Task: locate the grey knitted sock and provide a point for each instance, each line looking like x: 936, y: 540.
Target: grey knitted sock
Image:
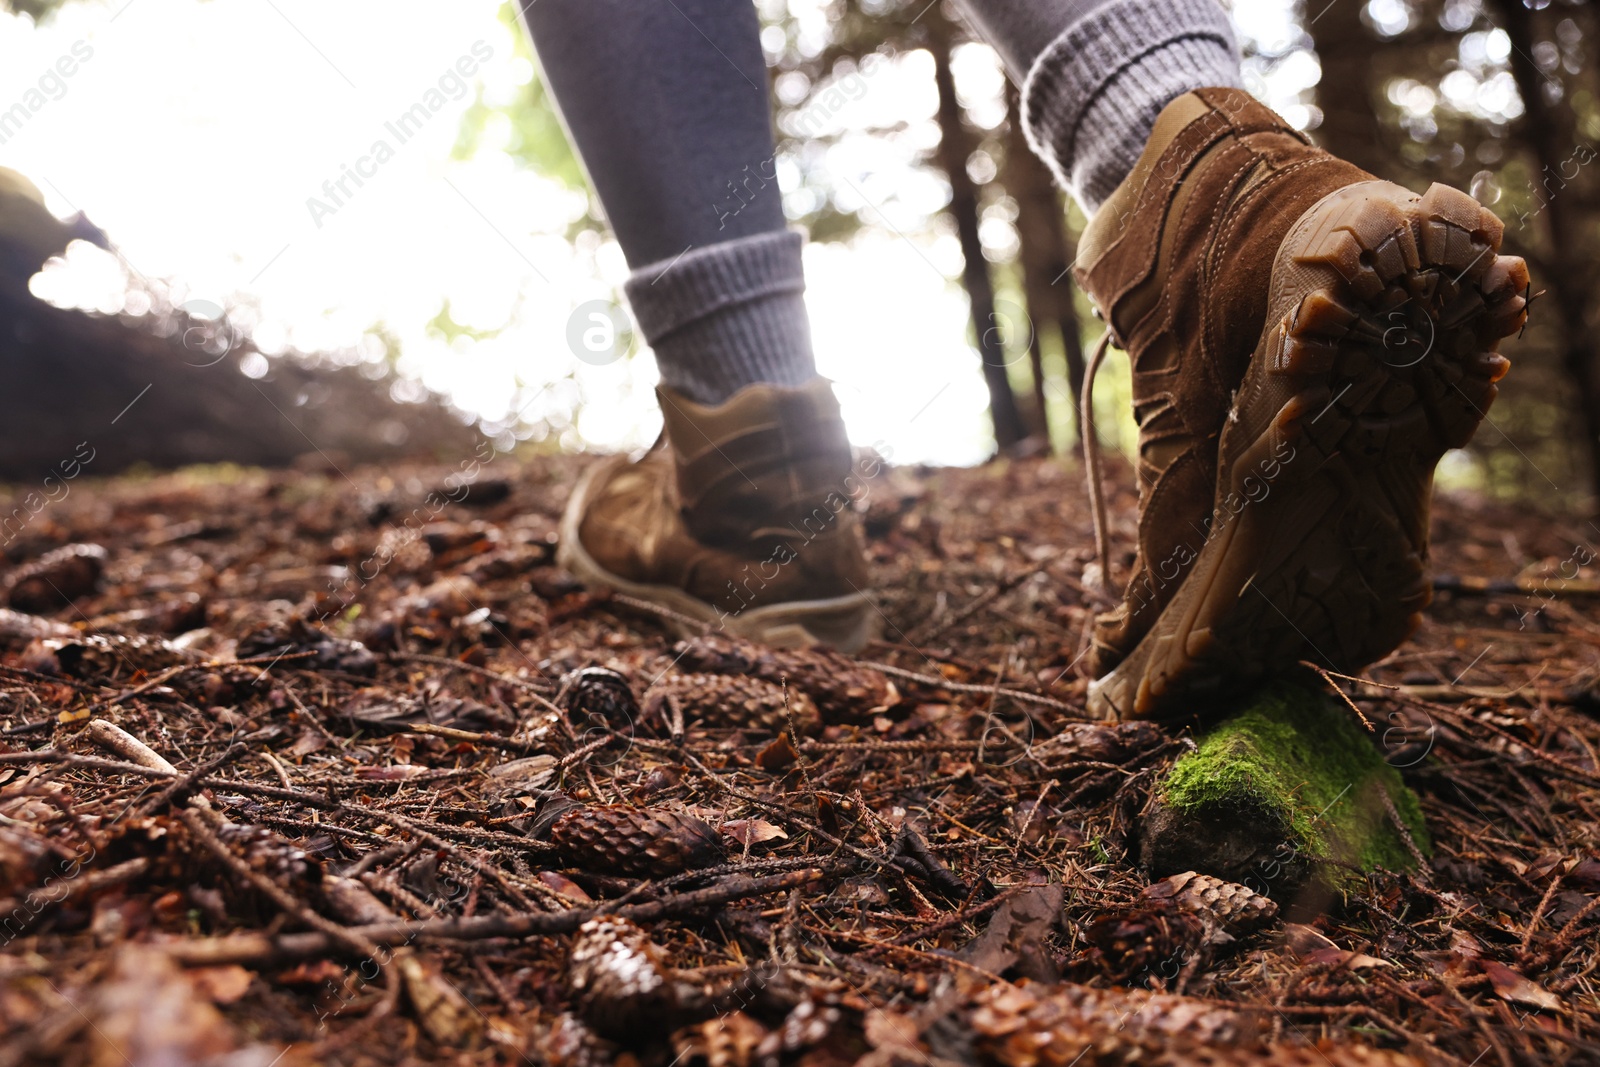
x: 726, y: 316
x: 1020, y: 29
x: 1093, y: 95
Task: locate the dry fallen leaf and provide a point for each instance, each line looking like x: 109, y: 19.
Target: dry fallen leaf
x: 778, y: 755
x: 397, y: 772
x: 447, y: 1015
x: 1509, y: 985
x: 311, y: 973
x: 1303, y: 939
x: 221, y: 985
x: 1313, y: 947
x: 519, y: 775
x: 565, y: 886
x: 308, y: 742
x: 895, y: 1038
x: 150, y: 1011
x: 749, y: 832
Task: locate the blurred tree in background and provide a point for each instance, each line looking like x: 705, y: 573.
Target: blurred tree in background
x: 998, y: 200
x: 35, y: 9
x: 1494, y: 96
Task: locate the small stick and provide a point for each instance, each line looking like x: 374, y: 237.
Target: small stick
x: 277, y: 768
x: 188, y: 783
x: 473, y: 668
x: 1328, y: 677
x: 93, y: 881
x: 276, y: 893
x: 1022, y: 834
x: 987, y: 690
x: 1538, y: 913
x: 259, y: 948
x: 110, y: 736
x: 937, y: 873
x: 472, y: 737
x: 232, y: 785
x: 1571, y: 928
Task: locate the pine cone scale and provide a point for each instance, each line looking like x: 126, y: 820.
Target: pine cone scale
x: 837, y: 684
x: 636, y: 842
x: 733, y: 700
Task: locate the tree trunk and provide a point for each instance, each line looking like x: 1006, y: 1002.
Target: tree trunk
x: 1046, y: 256
x: 955, y: 146
x: 1548, y: 132
x: 1350, y: 128
x: 110, y: 393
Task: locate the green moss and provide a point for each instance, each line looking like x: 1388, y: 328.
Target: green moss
x: 1300, y: 766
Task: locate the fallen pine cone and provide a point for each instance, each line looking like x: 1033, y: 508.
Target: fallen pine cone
x: 1098, y: 742
x: 25, y: 858
x: 599, y: 694
x: 1226, y: 906
x: 177, y: 857
x: 733, y: 700
x: 444, y: 1012
x: 272, y: 855
x: 57, y: 578
x: 112, y: 656
x: 619, y: 978
x: 837, y: 684
x: 1153, y: 942
x: 1024, y: 1025
x: 1174, y: 921
x: 729, y: 1040
x: 809, y: 1023
x: 1031, y: 1026
x: 294, y: 636
x: 571, y: 1043
x: 1092, y: 760
x: 648, y: 842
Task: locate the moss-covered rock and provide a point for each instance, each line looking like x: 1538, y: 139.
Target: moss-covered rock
x: 1287, y: 792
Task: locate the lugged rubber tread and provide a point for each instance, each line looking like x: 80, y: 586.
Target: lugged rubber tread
x: 1385, y: 314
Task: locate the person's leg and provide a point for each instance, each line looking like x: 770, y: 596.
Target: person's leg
x: 742, y: 520
x: 667, y: 106
x: 1306, y: 342
x: 1096, y: 73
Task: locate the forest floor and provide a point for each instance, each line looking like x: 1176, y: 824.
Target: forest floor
x: 289, y: 782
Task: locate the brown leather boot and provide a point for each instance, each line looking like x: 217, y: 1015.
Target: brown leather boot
x: 740, y: 517
x: 1306, y: 342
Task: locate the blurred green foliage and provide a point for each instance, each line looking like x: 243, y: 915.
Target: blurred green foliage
x: 537, y: 139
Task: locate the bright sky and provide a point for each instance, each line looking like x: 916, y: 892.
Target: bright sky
x: 196, y: 132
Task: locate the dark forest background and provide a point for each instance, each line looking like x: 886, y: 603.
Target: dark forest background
x: 1494, y: 96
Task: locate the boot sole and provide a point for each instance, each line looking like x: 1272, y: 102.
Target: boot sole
x: 1378, y: 356
x: 845, y: 623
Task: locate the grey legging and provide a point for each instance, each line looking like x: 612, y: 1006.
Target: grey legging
x: 666, y: 101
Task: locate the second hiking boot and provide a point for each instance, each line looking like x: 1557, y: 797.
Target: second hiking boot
x: 742, y: 518
x: 1306, y: 343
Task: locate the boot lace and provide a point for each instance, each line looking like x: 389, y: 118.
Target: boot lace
x: 1093, y: 461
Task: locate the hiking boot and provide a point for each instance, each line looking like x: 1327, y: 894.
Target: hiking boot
x: 1306, y: 342
x: 740, y: 517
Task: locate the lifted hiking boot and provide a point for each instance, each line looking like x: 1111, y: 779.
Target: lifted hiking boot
x: 740, y: 518
x: 1307, y: 341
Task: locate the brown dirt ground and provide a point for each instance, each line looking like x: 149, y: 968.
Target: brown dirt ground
x: 320, y: 763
